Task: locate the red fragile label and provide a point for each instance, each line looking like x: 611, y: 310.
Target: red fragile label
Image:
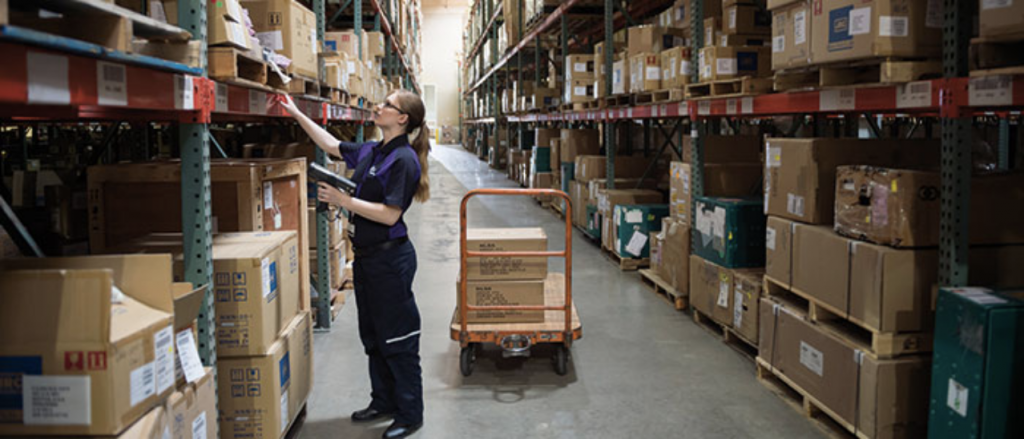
x: 96, y: 360
x: 74, y: 360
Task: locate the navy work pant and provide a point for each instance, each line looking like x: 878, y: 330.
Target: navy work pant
x: 389, y: 326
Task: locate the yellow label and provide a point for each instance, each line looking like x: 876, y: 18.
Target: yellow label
x: 730, y: 236
x: 867, y: 219
x: 894, y: 186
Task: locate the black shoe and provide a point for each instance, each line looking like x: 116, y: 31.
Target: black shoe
x: 369, y: 414
x: 398, y: 430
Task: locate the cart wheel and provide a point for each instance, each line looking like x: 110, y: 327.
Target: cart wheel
x: 466, y: 360
x: 561, y: 360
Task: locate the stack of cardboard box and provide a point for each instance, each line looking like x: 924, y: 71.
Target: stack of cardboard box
x: 358, y: 59
x: 263, y: 329
x: 820, y: 261
x: 736, y: 42
x: 225, y: 24
x: 579, y: 78
x: 129, y: 368
x: 504, y: 281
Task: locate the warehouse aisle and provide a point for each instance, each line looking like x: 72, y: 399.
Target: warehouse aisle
x: 642, y: 369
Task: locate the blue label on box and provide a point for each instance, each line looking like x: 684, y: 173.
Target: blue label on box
x: 331, y: 46
x: 286, y: 369
x: 839, y: 37
x: 746, y: 62
x: 12, y: 369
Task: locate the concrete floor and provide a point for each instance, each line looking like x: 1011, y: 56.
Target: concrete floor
x: 641, y: 369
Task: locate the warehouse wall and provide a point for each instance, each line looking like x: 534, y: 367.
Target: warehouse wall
x: 442, y: 48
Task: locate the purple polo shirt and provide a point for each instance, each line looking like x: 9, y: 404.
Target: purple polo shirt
x: 386, y: 174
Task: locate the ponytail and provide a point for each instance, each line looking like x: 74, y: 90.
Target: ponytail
x: 421, y: 144
x: 412, y: 105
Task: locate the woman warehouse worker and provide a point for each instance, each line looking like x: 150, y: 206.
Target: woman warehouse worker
x: 389, y: 175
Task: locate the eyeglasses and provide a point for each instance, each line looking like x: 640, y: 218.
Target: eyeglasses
x: 387, y: 104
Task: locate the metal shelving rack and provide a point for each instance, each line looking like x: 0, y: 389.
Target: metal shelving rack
x: 954, y: 100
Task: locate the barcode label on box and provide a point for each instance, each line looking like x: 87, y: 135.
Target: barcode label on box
x: 188, y: 356
x: 800, y: 28
x: 737, y: 308
x: 142, y: 383
x: 990, y: 90
x: 653, y: 73
x: 860, y: 21
x: 199, y: 426
x: 56, y: 400
x: 795, y: 205
x: 636, y: 244
x: 769, y: 238
x: 995, y: 4
x: 111, y: 84
x: 889, y: 26
x: 284, y: 410
x: 779, y: 44
x: 812, y: 358
x: 725, y: 66
x: 163, y: 347
x: 723, y: 292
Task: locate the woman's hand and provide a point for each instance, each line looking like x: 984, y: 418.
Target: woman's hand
x: 289, y: 105
x: 331, y: 195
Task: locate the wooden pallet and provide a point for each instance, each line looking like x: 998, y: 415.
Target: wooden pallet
x: 303, y: 86
x: 617, y: 101
x: 643, y: 97
x: 627, y: 264
x: 234, y: 66
x: 592, y: 105
x: 876, y: 71
x: 102, y: 23
x: 679, y: 300
x: 880, y: 344
x: 730, y: 337
x: 575, y: 106
x: 670, y: 95
x: 729, y: 88
x: 996, y: 57
x: 801, y: 401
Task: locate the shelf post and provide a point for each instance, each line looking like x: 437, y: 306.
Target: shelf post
x: 195, y: 195
x: 323, y: 281
x: 956, y: 150
x: 609, y: 54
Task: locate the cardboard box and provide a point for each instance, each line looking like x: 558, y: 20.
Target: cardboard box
x: 711, y: 289
x: 346, y: 42
x: 712, y: 29
x: 506, y: 239
x: 230, y: 9
x: 374, y: 44
x: 274, y: 385
x: 675, y: 254
x: 791, y: 44
x: 739, y: 40
x: 901, y: 207
x: 681, y: 17
x: 594, y: 167
x: 779, y: 233
x: 720, y: 180
x: 337, y: 224
x: 1000, y: 19
x: 555, y: 155
x: 288, y: 28
x: 579, y: 67
x: 100, y: 370
x: 734, y: 62
x: 223, y: 31
x: 634, y: 223
x: 747, y: 19
x: 607, y: 199
x: 255, y: 285
x: 620, y: 78
x: 800, y: 174
x: 746, y: 303
x: 193, y: 409
x: 648, y: 39
x: 880, y: 398
x: 337, y: 259
x: 676, y: 69
x: 579, y: 142
x: 579, y: 90
x: 726, y: 149
x: 855, y: 29
x: 645, y: 72
x: 505, y: 293
x: 730, y: 231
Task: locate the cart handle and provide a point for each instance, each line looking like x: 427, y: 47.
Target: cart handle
x: 464, y: 307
